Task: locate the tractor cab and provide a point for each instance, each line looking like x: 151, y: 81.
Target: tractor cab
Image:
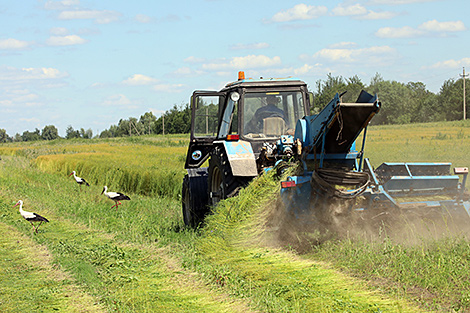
x: 257, y: 111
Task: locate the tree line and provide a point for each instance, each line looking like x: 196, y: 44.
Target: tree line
x: 402, y: 104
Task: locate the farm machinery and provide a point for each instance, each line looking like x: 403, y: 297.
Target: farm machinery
x: 255, y: 125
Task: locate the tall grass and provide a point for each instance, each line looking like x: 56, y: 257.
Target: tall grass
x: 146, y: 166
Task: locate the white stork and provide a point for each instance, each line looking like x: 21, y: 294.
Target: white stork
x: 115, y: 196
x: 31, y: 217
x: 80, y: 181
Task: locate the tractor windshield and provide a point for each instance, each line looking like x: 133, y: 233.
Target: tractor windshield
x: 271, y: 114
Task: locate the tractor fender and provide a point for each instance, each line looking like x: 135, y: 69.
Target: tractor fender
x: 241, y: 157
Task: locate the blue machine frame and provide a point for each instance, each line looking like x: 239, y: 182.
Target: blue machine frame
x: 319, y: 137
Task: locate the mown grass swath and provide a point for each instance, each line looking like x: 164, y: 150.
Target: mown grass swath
x: 238, y: 249
x: 104, y: 253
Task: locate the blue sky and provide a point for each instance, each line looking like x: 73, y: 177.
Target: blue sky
x: 89, y: 64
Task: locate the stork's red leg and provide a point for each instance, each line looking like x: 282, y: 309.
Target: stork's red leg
x: 33, y: 227
x: 38, y: 226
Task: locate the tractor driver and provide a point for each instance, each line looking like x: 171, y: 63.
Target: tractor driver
x: 268, y: 110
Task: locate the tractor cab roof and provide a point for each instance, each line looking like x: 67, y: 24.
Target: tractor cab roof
x: 263, y: 82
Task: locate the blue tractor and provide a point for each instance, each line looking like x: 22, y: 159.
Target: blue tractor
x: 254, y: 125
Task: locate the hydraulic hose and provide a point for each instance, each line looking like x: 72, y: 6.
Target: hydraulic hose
x: 329, y: 179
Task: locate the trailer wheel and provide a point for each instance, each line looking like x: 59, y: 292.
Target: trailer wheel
x: 222, y: 183
x: 194, y: 199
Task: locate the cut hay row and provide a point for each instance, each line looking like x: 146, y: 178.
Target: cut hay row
x: 243, y: 254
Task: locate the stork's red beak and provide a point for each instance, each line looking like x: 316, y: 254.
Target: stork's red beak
x: 70, y: 174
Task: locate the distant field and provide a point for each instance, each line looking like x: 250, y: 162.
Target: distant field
x: 141, y: 258
x: 433, y: 142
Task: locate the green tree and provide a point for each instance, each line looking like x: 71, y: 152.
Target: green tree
x: 147, y: 121
x: 123, y: 128
x: 397, y: 107
x: 31, y: 136
x: 326, y: 90
x: 177, y: 120
x: 49, y: 132
x: 450, y: 100
x: 4, y: 136
x: 354, y: 87
x: 86, y: 134
x: 425, y: 103
x: 17, y: 137
x: 71, y: 133
x: 106, y: 134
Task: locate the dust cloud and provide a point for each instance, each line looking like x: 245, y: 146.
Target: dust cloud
x: 338, y: 219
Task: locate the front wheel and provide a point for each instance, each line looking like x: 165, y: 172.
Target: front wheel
x: 221, y: 182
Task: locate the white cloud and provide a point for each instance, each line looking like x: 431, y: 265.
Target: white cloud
x: 13, y: 44
x: 69, y: 40
x: 139, y: 80
x: 100, y: 17
x: 183, y: 71
x: 349, y: 10
x: 303, y: 70
x: 366, y: 55
x: 32, y: 120
x: 357, y: 11
x: 59, y: 31
x: 384, y: 15
x: 170, y: 88
x: 186, y: 71
x: 61, y: 5
x: 193, y: 59
x: 251, y: 46
x: 449, y: 64
x: 142, y: 18
x: 15, y: 97
x: 43, y: 73
x: 117, y: 100
x: 425, y: 29
x: 243, y: 63
x: 403, y: 32
x: 435, y: 26
x: 344, y: 44
x: 398, y: 2
x: 14, y: 74
x: 300, y: 12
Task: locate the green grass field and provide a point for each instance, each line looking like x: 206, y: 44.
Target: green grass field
x: 141, y: 258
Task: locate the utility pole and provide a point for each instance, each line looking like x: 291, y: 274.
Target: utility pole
x: 163, y: 123
x: 464, y: 105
